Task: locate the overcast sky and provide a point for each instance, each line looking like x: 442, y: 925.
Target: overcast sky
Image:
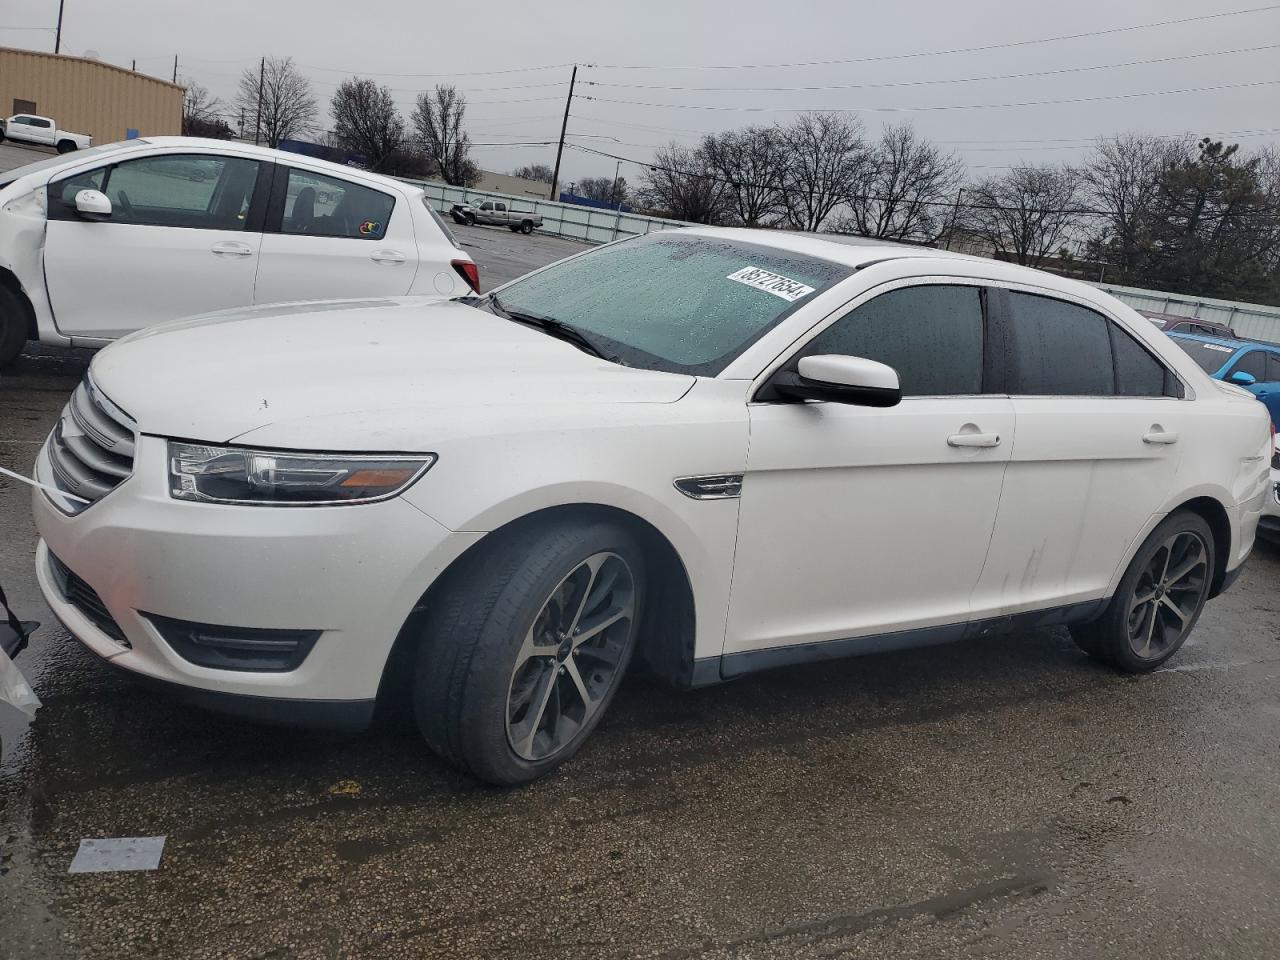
x: 641, y: 48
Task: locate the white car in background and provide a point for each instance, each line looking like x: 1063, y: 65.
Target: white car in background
x: 42, y: 131
x: 714, y: 450
x: 102, y: 242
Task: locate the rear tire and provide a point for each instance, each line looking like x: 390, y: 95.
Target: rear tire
x: 527, y: 227
x: 14, y: 325
x: 1159, y: 599
x: 522, y: 655
x: 66, y: 146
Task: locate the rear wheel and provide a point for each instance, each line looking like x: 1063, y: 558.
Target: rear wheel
x: 66, y: 146
x: 13, y: 326
x: 1159, y: 600
x: 524, y: 652
x: 526, y: 227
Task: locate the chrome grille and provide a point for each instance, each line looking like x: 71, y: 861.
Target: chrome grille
x: 91, y: 448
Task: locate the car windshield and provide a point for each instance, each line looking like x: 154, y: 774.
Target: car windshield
x: 62, y: 160
x: 672, y: 301
x: 1210, y: 356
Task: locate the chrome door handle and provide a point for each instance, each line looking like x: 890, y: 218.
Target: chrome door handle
x: 230, y: 248
x: 973, y: 440
x: 1160, y: 436
x: 387, y: 256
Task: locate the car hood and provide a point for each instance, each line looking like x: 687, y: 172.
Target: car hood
x: 217, y: 377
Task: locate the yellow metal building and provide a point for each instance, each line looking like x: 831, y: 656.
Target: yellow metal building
x: 87, y: 96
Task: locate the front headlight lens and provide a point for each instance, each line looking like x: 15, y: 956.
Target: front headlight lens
x: 237, y: 475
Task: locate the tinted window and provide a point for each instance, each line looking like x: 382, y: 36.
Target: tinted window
x: 666, y: 301
x: 1138, y: 373
x: 195, y: 190
x: 932, y: 335
x: 1253, y: 363
x: 62, y: 193
x: 322, y: 206
x: 1058, y: 349
x: 1273, y: 368
x: 1209, y: 357
x: 42, y: 124
x: 500, y: 207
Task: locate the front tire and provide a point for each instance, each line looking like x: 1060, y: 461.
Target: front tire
x: 470, y: 218
x: 523, y: 653
x: 1159, y: 600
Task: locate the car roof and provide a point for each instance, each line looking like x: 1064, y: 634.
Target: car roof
x: 1231, y: 342
x: 278, y: 156
x: 859, y: 252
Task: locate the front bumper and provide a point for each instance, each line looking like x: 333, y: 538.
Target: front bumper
x: 352, y: 573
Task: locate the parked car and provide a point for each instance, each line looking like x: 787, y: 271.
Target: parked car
x: 113, y: 239
x: 28, y: 128
x: 1171, y: 323
x: 1254, y: 366
x: 1269, y: 523
x: 712, y: 450
x: 495, y: 213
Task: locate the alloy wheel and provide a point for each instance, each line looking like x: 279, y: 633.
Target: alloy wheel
x: 1169, y: 593
x: 571, y: 657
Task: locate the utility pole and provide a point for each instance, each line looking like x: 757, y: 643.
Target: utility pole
x: 175, y: 68
x: 57, y: 37
x: 257, y: 117
x: 613, y: 194
x: 555, y: 176
x: 955, y: 212
x: 134, y: 68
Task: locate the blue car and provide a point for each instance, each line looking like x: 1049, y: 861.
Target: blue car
x: 1254, y: 366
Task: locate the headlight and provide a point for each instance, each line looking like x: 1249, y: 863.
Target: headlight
x: 263, y: 477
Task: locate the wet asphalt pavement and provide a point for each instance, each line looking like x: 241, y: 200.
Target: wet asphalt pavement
x: 999, y: 798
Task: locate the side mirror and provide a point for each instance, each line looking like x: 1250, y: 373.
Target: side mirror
x: 93, y: 205
x: 841, y: 379
x: 1243, y: 379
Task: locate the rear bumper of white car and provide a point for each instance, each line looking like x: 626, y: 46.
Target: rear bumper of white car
x: 299, y: 607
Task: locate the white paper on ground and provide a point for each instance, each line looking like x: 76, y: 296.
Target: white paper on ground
x: 110, y: 854
x: 14, y: 689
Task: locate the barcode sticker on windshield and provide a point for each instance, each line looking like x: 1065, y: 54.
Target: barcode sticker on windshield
x: 779, y: 286
x: 1214, y: 346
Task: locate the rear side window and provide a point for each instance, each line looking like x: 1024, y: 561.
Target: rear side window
x: 1253, y: 363
x: 1138, y: 373
x: 320, y: 206
x: 1058, y: 349
x: 932, y: 335
x: 444, y: 227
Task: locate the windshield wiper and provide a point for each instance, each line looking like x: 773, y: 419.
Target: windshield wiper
x: 557, y: 328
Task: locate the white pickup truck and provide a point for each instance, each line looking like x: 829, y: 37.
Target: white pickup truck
x: 28, y: 128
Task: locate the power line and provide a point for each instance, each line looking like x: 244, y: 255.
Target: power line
x: 958, y: 106
x: 939, y: 53
x: 474, y: 73
x: 924, y: 83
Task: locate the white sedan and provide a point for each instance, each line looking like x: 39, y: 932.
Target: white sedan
x: 112, y: 239
x: 714, y: 450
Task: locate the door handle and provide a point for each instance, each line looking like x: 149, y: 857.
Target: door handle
x: 230, y: 248
x: 1156, y: 435
x: 387, y: 256
x: 973, y: 440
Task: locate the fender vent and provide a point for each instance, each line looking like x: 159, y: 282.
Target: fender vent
x: 721, y: 486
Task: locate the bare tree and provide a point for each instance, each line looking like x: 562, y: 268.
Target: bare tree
x: 437, y: 118
x: 1027, y: 214
x: 1123, y: 178
x: 751, y: 162
x: 202, y: 113
x: 905, y: 192
x: 281, y: 106
x: 826, y: 158
x: 603, y: 189
x: 366, y: 121
x: 534, y: 171
x: 680, y: 184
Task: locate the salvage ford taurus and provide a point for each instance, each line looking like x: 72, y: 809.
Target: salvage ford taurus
x: 710, y: 450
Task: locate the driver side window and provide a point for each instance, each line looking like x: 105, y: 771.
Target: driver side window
x: 932, y: 335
